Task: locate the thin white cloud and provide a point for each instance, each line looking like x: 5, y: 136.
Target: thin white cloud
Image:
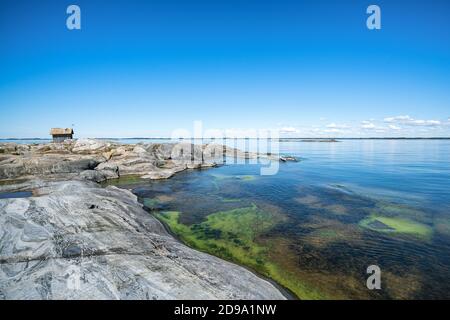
x: 402, y: 125
x: 287, y: 130
x: 398, y: 119
x: 333, y: 130
x: 409, y: 121
x: 337, y: 126
x: 426, y: 123
x: 394, y: 127
x: 368, y: 125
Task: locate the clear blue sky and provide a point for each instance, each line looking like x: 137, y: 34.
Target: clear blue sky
x: 145, y: 68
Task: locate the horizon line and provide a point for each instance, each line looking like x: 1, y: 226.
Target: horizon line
x: 246, y: 138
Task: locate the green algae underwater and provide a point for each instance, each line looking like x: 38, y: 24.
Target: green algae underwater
x: 313, y: 235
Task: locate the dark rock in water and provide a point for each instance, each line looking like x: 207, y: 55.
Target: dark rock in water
x: 378, y: 225
x: 288, y: 158
x: 319, y: 140
x: 308, y: 140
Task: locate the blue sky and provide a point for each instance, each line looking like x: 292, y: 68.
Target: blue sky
x: 146, y: 68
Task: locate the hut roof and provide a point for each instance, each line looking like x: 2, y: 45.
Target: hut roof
x: 56, y: 131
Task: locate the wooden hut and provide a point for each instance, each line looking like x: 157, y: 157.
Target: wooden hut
x: 60, y: 134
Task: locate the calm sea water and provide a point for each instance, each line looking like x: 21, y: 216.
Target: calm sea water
x: 326, y: 198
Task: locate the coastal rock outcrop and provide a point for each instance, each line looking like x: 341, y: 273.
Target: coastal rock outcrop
x: 98, y: 160
x: 76, y: 240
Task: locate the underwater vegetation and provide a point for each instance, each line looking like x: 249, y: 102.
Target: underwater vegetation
x: 124, y: 181
x: 316, y: 255
x: 396, y: 225
x: 314, y: 238
x: 229, y: 234
x: 234, y: 235
x: 398, y: 220
x: 239, y: 177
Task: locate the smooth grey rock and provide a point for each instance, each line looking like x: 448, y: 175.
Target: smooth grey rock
x: 89, y: 146
x: 80, y: 241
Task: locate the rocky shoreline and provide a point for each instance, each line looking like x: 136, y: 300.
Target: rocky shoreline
x: 73, y: 239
